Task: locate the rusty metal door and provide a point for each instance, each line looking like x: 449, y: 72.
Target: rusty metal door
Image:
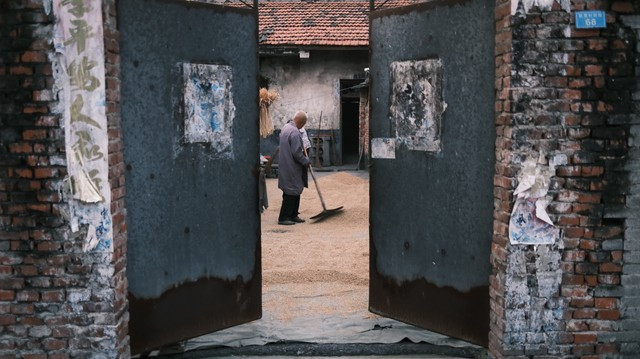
x: 432, y: 130
x: 190, y: 128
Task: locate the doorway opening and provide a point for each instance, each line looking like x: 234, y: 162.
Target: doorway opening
x: 315, y: 276
x: 350, y: 120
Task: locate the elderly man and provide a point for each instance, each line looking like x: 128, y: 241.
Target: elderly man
x: 292, y: 164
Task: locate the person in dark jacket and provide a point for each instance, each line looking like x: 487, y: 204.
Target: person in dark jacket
x: 292, y: 165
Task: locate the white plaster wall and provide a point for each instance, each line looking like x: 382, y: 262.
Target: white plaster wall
x: 311, y: 86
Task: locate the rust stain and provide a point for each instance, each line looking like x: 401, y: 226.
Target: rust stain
x: 193, y: 309
x: 445, y: 310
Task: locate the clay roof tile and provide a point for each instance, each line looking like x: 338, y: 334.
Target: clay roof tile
x: 325, y: 23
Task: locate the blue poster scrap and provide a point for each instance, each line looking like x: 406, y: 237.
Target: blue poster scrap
x: 594, y: 19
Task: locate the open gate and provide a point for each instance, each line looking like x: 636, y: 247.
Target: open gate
x: 432, y: 130
x: 190, y: 128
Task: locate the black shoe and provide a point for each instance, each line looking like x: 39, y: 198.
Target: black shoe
x: 298, y: 219
x: 286, y: 222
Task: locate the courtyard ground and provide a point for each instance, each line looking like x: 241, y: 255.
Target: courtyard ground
x: 315, y: 276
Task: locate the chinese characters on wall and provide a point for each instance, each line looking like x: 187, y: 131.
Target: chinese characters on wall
x: 79, y: 48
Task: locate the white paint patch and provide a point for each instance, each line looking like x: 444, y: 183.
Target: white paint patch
x: 383, y: 148
x: 416, y: 103
x: 208, y: 107
x: 560, y: 160
x: 47, y: 6
x: 544, y: 5
x: 79, y: 73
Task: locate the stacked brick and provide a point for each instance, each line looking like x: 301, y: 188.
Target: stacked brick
x: 363, y: 125
x: 116, y: 178
x: 55, y: 300
x: 567, y: 93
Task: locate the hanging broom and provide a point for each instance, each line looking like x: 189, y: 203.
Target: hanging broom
x: 266, y: 99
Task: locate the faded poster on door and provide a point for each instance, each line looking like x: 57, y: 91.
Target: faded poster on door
x: 417, y: 104
x: 208, y: 107
x: 80, y: 75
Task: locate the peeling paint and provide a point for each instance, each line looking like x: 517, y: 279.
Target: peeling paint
x: 534, y: 307
x: 47, y: 6
x: 416, y: 103
x: 383, y: 148
x: 543, y: 5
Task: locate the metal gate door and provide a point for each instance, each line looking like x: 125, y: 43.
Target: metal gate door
x: 432, y: 129
x: 190, y: 122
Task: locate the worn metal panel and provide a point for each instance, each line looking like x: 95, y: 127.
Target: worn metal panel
x: 431, y: 212
x: 193, y: 254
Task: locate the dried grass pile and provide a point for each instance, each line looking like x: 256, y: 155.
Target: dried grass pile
x: 266, y: 99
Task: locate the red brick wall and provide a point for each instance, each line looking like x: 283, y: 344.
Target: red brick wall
x: 568, y: 93
x: 33, y: 259
x: 55, y: 300
x: 116, y: 175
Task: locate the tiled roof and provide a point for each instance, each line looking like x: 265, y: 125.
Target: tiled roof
x: 321, y: 23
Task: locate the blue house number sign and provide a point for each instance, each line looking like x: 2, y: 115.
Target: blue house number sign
x: 591, y: 20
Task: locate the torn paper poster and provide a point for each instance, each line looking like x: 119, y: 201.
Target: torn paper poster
x: 417, y: 104
x: 530, y: 223
x: 83, y: 184
x: 208, y: 106
x: 384, y: 148
x: 526, y: 226
x: 80, y: 80
x: 534, y: 179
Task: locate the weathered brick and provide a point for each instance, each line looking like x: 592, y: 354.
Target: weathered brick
x: 34, y: 56
x: 34, y: 252
x: 608, y: 314
x: 53, y: 296
x: 584, y: 313
x: 622, y: 6
x: 7, y: 295
x: 582, y: 338
x: 54, y: 344
x: 597, y: 74
x: 40, y: 332
x: 610, y: 268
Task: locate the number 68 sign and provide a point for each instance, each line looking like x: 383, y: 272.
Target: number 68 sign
x: 591, y: 19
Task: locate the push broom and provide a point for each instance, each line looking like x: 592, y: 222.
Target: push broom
x: 326, y: 213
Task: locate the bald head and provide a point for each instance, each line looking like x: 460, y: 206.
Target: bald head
x: 300, y: 119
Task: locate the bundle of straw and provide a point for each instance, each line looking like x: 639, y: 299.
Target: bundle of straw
x: 266, y: 99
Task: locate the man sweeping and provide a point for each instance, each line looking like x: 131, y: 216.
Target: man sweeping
x: 292, y: 165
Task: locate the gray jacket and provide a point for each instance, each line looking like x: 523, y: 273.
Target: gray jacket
x: 292, y: 163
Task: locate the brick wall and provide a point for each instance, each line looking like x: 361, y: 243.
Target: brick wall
x: 568, y: 93
x: 363, y: 126
x: 55, y: 300
x: 116, y: 177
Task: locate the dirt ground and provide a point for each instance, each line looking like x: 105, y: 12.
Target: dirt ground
x: 324, y: 259
x: 315, y: 276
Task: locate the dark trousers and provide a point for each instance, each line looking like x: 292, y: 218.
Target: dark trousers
x: 290, y: 206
